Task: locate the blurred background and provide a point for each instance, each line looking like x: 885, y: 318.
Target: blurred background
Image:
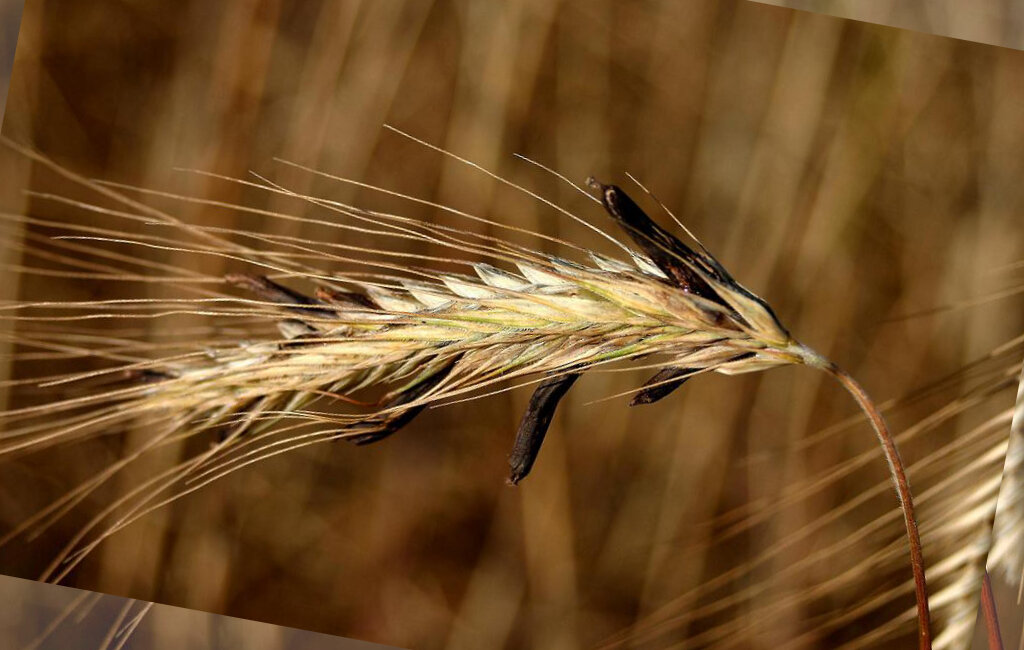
x: 862, y: 179
x: 10, y: 20
x: 996, y: 22
x: 41, y: 616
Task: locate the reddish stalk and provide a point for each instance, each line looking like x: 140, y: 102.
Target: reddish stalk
x: 988, y: 608
x: 900, y: 482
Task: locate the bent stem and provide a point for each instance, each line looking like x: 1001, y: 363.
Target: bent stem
x: 899, y: 478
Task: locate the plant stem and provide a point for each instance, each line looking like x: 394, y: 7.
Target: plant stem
x: 988, y: 608
x: 902, y: 485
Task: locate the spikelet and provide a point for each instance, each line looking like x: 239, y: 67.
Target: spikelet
x: 423, y: 337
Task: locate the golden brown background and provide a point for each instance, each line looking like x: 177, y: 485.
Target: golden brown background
x: 850, y: 174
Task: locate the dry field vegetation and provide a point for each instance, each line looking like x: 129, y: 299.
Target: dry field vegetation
x: 865, y: 181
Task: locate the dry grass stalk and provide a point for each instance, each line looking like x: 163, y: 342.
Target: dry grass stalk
x: 427, y: 337
x: 1007, y: 554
